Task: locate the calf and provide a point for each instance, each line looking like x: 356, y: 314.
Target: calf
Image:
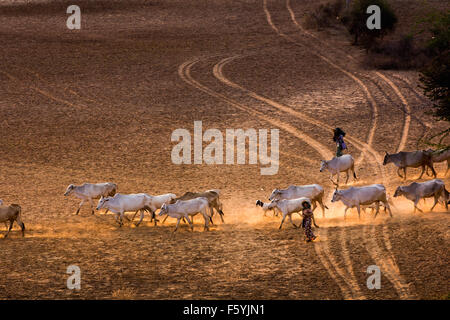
x: 288, y: 207
x: 314, y: 192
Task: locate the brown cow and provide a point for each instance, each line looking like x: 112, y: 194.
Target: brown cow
x: 412, y: 159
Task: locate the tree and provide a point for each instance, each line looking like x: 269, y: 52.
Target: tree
x: 356, y: 21
x: 435, y: 77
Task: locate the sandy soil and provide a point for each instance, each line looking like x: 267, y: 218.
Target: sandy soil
x: 100, y: 104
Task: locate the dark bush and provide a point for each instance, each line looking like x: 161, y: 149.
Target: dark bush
x: 356, y: 20
x: 325, y: 15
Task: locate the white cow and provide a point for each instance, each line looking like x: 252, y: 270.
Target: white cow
x: 421, y: 190
x: 184, y: 209
x: 265, y: 207
x: 314, y: 192
x: 357, y: 196
x: 288, y: 207
x: 89, y: 191
x: 156, y: 203
x: 337, y: 165
x: 121, y: 203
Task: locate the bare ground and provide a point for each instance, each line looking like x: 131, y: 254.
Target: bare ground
x: 100, y: 104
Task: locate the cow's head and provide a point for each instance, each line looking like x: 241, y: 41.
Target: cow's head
x: 275, y: 195
x: 398, y: 192
x: 337, y: 195
x: 69, y: 189
x: 323, y: 165
x: 102, y: 202
x: 164, y: 209
x: 387, y: 159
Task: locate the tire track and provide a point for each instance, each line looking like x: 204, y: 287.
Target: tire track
x: 372, y: 246
x: 362, y: 146
x: 184, y: 73
x: 44, y: 93
x: 407, y: 120
x: 391, y: 267
x: 321, y: 246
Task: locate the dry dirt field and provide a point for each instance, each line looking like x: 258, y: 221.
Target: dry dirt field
x: 100, y: 104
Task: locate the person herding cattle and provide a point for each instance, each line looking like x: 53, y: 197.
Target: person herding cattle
x: 308, y: 219
x: 338, y: 138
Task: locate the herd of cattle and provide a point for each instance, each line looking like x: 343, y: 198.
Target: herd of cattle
x: 287, y: 201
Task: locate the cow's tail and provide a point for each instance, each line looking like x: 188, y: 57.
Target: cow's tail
x: 446, y: 196
x: 353, y: 169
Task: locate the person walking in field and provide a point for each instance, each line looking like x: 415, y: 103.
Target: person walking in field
x: 338, y: 138
x: 308, y: 219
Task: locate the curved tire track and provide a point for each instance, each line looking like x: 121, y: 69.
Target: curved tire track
x: 321, y: 246
x: 391, y: 267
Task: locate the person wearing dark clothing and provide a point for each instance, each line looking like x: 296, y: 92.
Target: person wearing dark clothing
x: 308, y: 219
x: 338, y: 138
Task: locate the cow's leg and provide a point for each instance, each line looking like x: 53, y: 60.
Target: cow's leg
x: 117, y: 217
x: 178, y: 223
x: 282, y: 220
x: 338, y: 177
x: 436, y: 200
x: 415, y: 205
x: 142, y: 217
x: 377, y: 207
x: 398, y: 172
x: 134, y: 216
x: 323, y: 208
x: 191, y: 223
x: 122, y: 214
x: 347, y: 176
x: 290, y: 219
x: 404, y: 171
x: 345, y: 213
x: 448, y: 167
x: 211, y: 209
x: 314, y: 206
x: 432, y: 170
x: 358, y: 207
x: 331, y: 179
x: 165, y: 218
x: 153, y: 214
x: 423, y: 170
x: 92, y: 205
x: 11, y: 222
x: 207, y: 219
x: 79, y: 207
